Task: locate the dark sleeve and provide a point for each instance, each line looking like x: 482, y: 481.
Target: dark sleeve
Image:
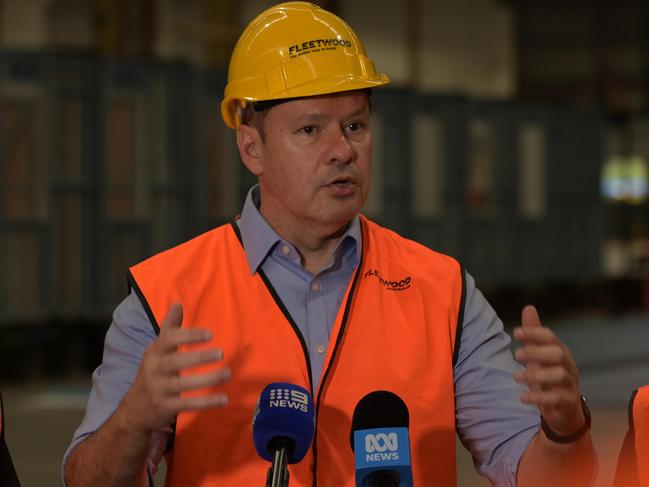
x: 8, y: 477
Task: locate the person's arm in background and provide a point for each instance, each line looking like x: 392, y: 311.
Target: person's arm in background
x: 553, y: 380
x: 116, y: 453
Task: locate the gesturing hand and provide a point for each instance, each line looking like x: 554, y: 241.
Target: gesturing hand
x: 154, y: 400
x: 551, y: 374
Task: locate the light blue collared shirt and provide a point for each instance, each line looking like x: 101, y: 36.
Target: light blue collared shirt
x: 491, y: 421
x: 311, y: 300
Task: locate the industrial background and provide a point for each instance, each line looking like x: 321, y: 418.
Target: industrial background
x: 515, y: 137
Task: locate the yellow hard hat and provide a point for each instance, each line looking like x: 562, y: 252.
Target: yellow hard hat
x: 295, y: 49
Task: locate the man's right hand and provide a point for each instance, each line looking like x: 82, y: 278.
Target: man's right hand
x: 155, y: 398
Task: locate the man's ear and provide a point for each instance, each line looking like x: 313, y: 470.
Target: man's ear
x: 250, y: 148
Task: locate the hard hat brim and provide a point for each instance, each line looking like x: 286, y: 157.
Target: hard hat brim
x: 229, y: 105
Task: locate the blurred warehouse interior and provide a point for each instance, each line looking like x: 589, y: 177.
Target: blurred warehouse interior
x: 515, y: 137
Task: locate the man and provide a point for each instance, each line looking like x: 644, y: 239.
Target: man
x: 303, y: 289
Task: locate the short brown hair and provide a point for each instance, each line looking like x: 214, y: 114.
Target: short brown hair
x: 254, y: 118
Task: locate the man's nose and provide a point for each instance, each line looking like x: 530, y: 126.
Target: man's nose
x: 341, y: 151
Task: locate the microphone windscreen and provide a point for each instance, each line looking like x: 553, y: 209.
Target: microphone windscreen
x: 284, y: 412
x: 379, y: 409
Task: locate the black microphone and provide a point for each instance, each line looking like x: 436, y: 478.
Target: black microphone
x: 282, y: 428
x: 380, y: 441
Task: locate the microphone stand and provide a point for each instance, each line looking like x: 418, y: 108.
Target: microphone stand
x: 278, y: 474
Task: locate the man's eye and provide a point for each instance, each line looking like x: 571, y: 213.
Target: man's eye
x: 355, y: 126
x: 308, y: 130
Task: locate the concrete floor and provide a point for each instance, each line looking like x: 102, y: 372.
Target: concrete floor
x: 613, y: 356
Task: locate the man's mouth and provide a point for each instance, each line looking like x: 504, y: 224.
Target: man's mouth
x: 343, y: 186
x: 343, y: 182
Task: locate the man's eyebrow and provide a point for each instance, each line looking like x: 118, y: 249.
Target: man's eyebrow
x: 312, y: 117
x: 359, y: 111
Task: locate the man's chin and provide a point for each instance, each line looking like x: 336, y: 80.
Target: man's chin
x: 340, y: 218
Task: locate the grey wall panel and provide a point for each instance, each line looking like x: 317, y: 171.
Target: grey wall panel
x: 132, y: 158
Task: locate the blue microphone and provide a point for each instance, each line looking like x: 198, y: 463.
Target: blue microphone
x: 282, y: 428
x: 380, y: 441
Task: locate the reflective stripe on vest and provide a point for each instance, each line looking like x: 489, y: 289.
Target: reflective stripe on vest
x: 395, y: 330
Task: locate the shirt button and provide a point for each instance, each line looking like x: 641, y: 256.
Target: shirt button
x: 315, y: 287
x: 320, y: 349
x: 286, y: 250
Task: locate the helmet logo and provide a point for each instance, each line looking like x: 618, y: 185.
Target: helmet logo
x: 316, y: 45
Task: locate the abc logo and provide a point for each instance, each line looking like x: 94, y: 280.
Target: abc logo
x: 381, y: 442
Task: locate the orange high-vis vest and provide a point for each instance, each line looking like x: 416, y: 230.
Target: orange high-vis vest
x: 641, y: 426
x: 633, y: 462
x: 396, y: 329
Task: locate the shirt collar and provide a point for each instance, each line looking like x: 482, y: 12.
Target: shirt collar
x: 259, y: 238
